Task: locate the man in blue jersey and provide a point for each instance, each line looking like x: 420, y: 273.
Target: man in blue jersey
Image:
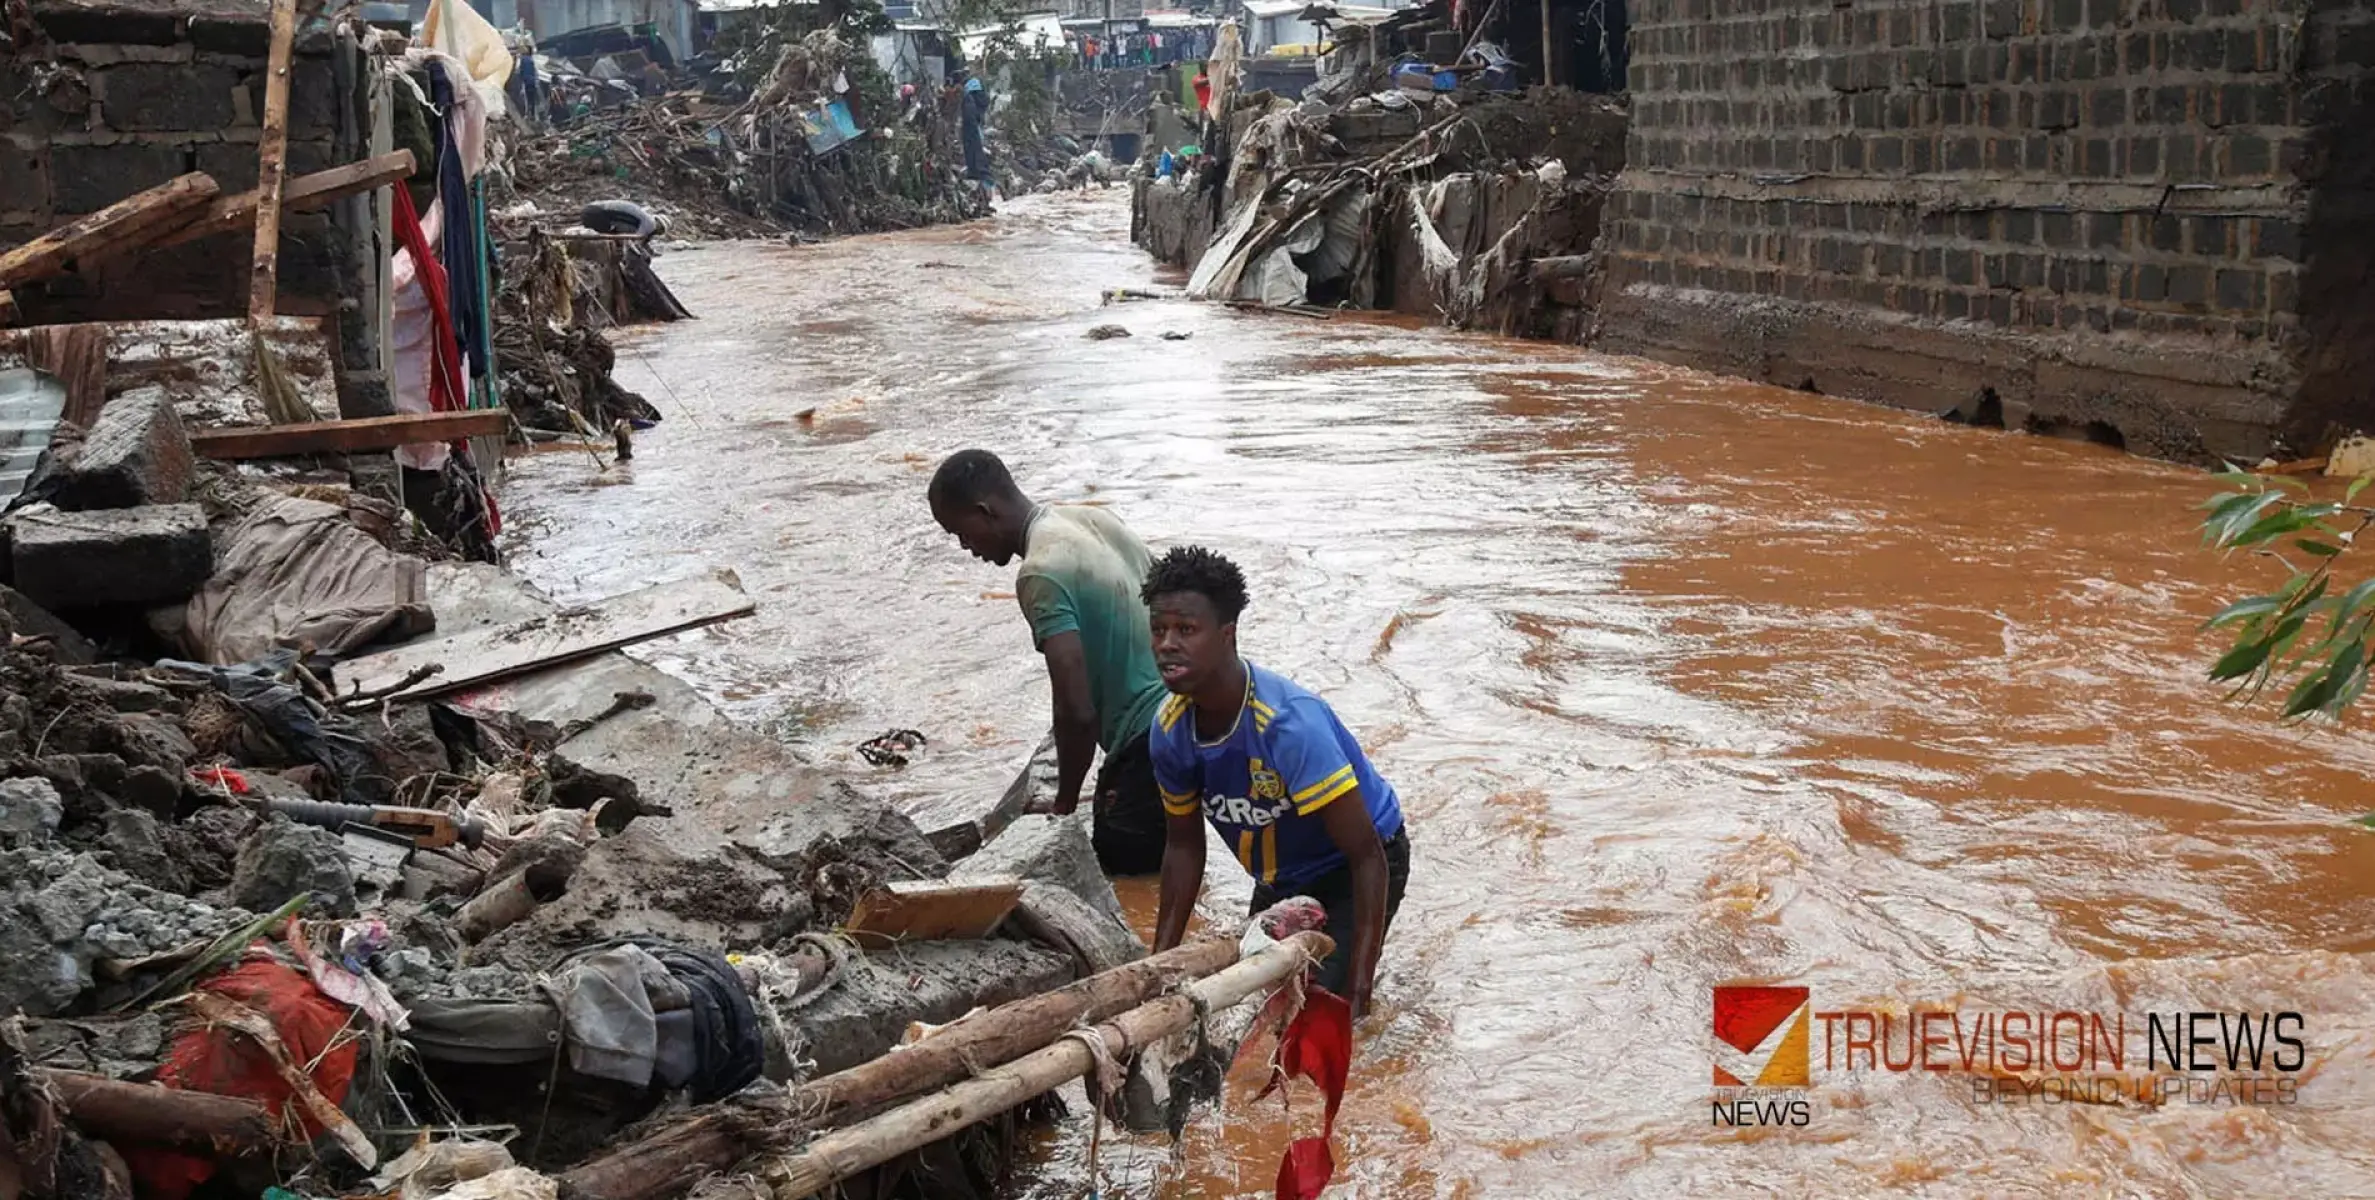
x: 1274, y: 772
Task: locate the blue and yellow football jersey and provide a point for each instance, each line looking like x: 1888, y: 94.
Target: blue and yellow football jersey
x: 1263, y: 784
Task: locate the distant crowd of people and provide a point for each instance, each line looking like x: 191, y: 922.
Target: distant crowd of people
x: 1153, y: 48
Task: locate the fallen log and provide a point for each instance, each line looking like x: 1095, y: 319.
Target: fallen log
x: 843, y: 1153
x: 348, y: 437
x: 155, y: 1115
x: 672, y: 1160
x: 125, y: 221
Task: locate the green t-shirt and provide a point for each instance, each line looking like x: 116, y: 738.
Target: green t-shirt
x: 1081, y: 572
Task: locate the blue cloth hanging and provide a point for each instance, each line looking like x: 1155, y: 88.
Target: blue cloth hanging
x: 458, y: 240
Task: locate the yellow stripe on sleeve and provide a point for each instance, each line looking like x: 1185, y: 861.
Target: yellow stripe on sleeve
x: 1329, y: 796
x: 1172, y: 708
x: 1270, y: 853
x: 1342, y: 773
x: 1245, y: 850
x: 1178, y: 804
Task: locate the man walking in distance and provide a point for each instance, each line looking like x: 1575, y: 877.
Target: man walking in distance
x: 1079, y: 588
x: 1275, y: 773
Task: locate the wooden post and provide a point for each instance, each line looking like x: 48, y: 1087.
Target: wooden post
x: 1549, y: 70
x: 844, y: 1153
x: 155, y: 1115
x: 682, y: 1154
x: 272, y: 153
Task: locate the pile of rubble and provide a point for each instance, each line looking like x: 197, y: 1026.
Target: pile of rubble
x: 804, y: 152
x: 329, y: 869
x: 1395, y: 183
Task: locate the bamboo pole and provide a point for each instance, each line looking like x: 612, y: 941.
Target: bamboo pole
x: 676, y: 1157
x: 842, y: 1154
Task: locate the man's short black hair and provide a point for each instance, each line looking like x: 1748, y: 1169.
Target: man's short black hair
x: 967, y: 476
x: 1196, y: 569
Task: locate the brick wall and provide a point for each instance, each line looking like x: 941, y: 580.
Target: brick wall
x: 2117, y: 216
x: 127, y: 96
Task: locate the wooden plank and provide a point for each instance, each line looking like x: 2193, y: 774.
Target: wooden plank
x: 501, y: 651
x: 305, y: 193
x: 272, y: 153
x: 348, y: 437
x: 125, y: 220
x: 929, y: 910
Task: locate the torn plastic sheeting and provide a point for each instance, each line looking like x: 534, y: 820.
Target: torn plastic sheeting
x: 298, y: 572
x: 1276, y: 279
x: 1217, y: 272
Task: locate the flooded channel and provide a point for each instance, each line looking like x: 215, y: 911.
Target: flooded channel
x: 1684, y: 682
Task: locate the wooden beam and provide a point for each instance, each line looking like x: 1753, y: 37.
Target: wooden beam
x: 710, y: 1140
x: 272, y: 153
x: 931, y: 910
x: 1560, y: 266
x: 151, y: 1114
x: 349, y: 437
x: 229, y: 214
x: 502, y: 651
x: 123, y: 221
x: 843, y: 1153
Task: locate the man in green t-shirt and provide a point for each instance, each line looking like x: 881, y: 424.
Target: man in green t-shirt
x: 1078, y: 586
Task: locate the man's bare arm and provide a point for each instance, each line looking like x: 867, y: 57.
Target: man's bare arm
x: 1075, y: 716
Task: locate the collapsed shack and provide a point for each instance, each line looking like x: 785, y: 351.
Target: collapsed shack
x: 1396, y: 184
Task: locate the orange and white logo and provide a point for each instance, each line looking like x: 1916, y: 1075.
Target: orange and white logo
x: 1762, y: 1035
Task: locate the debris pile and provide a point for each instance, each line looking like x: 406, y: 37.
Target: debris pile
x: 1396, y: 183
x: 805, y: 152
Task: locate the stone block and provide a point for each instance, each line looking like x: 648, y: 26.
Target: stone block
x: 136, y: 453
x: 152, y: 555
x: 159, y: 96
x: 24, y: 179
x: 85, y: 179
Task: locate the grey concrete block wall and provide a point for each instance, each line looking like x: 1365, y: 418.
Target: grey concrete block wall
x: 124, y: 96
x: 2118, y: 216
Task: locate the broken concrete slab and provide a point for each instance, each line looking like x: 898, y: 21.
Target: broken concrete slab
x: 30, y: 809
x: 135, y: 454
x: 121, y: 556
x: 284, y: 859
x: 30, y: 620
x: 679, y: 750
x: 138, y: 843
x: 1043, y: 849
x: 871, y: 1004
x: 664, y: 878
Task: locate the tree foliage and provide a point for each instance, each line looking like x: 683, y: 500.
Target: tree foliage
x: 2308, y: 638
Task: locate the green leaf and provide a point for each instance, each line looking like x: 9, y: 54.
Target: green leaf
x: 2250, y: 606
x: 2368, y: 820
x: 2356, y: 486
x: 2228, y: 529
x: 2275, y: 524
x: 2311, y: 694
x: 2320, y: 549
x: 2242, y: 660
x: 2239, y: 477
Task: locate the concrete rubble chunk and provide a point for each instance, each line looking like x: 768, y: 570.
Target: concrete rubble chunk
x: 30, y: 809
x: 135, y: 454
x: 138, y: 843
x: 30, y: 620
x: 285, y: 858
x: 150, y: 555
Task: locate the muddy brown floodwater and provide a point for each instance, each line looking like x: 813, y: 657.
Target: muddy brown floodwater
x: 1684, y: 682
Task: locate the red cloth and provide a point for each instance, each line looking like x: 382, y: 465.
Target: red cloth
x: 447, y: 392
x: 1317, y: 1045
x: 227, y: 1063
